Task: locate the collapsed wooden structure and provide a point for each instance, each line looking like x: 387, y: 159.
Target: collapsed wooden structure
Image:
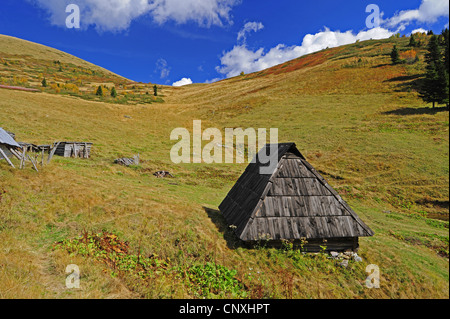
x: 9, y: 148
x: 292, y: 203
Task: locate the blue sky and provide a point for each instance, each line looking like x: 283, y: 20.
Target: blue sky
x: 165, y: 41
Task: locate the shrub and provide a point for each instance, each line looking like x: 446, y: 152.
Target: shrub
x: 71, y: 87
x: 409, y: 56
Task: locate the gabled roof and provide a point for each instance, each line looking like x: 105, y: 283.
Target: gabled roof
x: 292, y: 202
x: 7, y: 139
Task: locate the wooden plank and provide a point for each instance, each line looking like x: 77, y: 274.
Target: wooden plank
x: 271, y: 227
x: 294, y: 228
x: 15, y: 153
x: 332, y: 229
x: 285, y: 223
x: 22, y: 162
x: 276, y: 229
x: 52, y: 152
x: 6, y: 158
x: 261, y: 212
x: 32, y: 162
x: 249, y: 232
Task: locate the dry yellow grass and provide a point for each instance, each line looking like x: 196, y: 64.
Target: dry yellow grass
x: 23, y: 48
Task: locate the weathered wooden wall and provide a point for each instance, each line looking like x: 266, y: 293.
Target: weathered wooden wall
x: 313, y: 245
x: 74, y: 149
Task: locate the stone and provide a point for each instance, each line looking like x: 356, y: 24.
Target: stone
x: 334, y: 254
x: 357, y: 258
x: 344, y: 263
x: 348, y: 253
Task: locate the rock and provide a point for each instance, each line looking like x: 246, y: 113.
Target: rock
x: 162, y: 174
x: 334, y: 254
x: 344, y: 263
x: 357, y: 258
x: 128, y: 161
x: 348, y: 253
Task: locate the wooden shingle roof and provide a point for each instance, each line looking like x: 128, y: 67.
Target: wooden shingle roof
x: 292, y: 202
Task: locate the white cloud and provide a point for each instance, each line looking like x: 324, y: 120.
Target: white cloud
x: 117, y: 15
x: 163, y: 68
x: 183, y: 81
x: 213, y: 80
x: 428, y: 12
x: 204, y: 12
x: 420, y: 30
x: 248, y: 27
x: 240, y: 58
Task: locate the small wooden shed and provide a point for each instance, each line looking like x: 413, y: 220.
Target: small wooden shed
x: 72, y: 149
x: 293, y: 203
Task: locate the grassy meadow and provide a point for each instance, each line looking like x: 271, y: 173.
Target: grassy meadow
x: 354, y: 116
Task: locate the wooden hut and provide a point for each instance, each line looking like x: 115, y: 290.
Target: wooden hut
x: 293, y: 203
x: 72, y: 149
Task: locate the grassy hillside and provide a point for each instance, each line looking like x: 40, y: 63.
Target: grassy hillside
x: 354, y: 116
x: 27, y: 64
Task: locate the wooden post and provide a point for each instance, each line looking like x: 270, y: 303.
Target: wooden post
x: 32, y: 162
x: 6, y: 158
x: 22, y: 161
x: 52, y: 152
x: 15, y: 153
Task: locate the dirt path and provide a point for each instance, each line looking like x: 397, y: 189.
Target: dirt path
x: 18, y: 88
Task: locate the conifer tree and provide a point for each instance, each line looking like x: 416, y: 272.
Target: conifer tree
x: 445, y: 35
x: 445, y: 43
x: 412, y: 41
x: 395, y: 56
x: 435, y: 85
x: 99, y: 91
x: 113, y: 92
